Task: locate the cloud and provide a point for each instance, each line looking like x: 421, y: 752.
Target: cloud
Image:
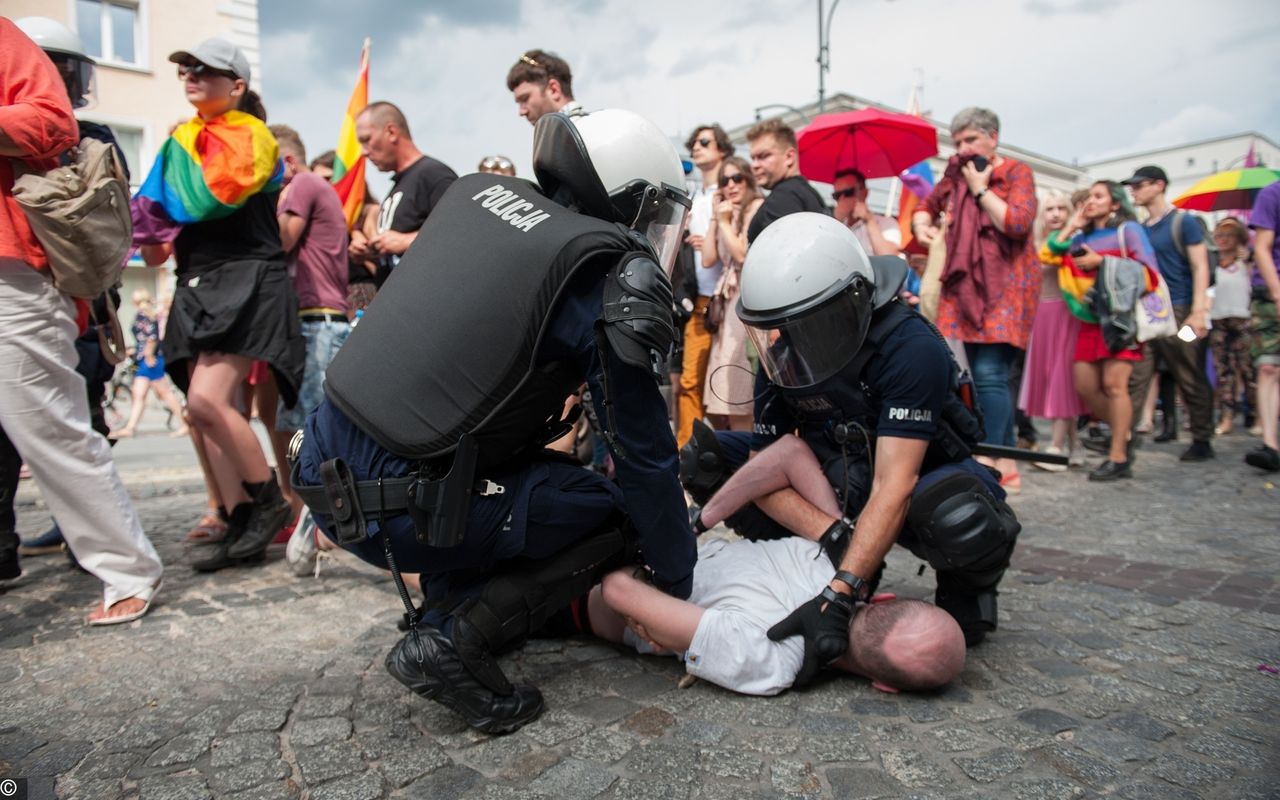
x: 1055, y: 8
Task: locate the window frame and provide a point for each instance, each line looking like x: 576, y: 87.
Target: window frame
x: 141, y: 33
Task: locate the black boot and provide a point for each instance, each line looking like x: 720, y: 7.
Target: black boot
x: 1168, y: 410
x: 270, y: 513
x: 436, y: 673
x: 974, y: 609
x: 9, y: 565
x: 214, y: 557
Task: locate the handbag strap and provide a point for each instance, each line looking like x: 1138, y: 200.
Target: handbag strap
x: 1124, y: 251
x: 112, y: 346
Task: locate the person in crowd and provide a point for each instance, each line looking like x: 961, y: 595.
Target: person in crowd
x: 150, y: 376
x: 1104, y: 227
x: 1265, y: 309
x: 1048, y: 387
x: 541, y: 82
x: 1232, y: 332
x: 878, y: 234
x: 497, y: 165
x: 1184, y: 264
x: 775, y: 162
x: 44, y: 414
x: 418, y: 182
x: 728, y: 390
x: 313, y: 233
x: 362, y: 283
x: 233, y: 303
x: 991, y: 281
x: 708, y: 147
x: 740, y: 589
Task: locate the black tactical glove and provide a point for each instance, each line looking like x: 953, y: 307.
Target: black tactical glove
x: 824, y: 624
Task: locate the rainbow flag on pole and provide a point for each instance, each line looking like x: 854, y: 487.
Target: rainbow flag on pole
x: 348, y: 163
x: 917, y: 182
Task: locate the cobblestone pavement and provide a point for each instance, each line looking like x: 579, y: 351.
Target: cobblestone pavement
x: 1133, y: 628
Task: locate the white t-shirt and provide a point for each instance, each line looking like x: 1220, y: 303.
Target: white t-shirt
x: 700, y: 215
x: 748, y: 587
x: 1232, y: 292
x: 888, y: 228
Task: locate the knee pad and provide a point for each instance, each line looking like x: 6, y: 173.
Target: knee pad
x: 962, y: 529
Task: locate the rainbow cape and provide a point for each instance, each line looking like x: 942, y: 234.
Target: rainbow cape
x: 208, y: 169
x: 1075, y: 283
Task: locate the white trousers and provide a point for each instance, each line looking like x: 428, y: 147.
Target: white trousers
x: 45, y: 413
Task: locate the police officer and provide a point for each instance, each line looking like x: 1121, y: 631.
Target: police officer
x: 872, y: 390
x: 426, y: 454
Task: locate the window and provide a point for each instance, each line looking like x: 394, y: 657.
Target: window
x: 130, y: 141
x: 109, y: 30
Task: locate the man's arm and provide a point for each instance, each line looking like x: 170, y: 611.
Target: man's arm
x: 392, y: 243
x: 897, y: 467
x: 1263, y: 243
x: 662, y: 620
x: 291, y: 229
x: 1198, y: 256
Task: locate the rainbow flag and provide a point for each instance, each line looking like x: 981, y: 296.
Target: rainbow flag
x: 208, y: 169
x: 348, y: 162
x: 917, y: 183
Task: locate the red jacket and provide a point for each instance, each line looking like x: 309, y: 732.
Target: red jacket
x: 35, y: 115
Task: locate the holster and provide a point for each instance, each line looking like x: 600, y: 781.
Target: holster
x: 346, y: 517
x: 439, y: 506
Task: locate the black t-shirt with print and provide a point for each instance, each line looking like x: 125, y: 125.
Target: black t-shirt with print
x: 414, y: 193
x: 788, y: 196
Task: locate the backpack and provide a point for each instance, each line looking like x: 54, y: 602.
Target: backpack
x: 1211, y: 245
x: 80, y: 214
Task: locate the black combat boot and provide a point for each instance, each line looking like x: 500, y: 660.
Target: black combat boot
x: 974, y: 609
x: 212, y: 558
x: 436, y: 673
x: 10, y: 567
x: 270, y: 513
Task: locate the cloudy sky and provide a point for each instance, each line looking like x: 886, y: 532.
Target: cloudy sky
x: 1072, y: 79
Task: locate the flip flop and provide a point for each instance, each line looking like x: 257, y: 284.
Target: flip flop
x: 146, y: 595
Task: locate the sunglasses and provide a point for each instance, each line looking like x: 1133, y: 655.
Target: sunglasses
x: 738, y: 177
x: 843, y: 193
x: 704, y: 141
x: 201, y: 71
x: 496, y: 163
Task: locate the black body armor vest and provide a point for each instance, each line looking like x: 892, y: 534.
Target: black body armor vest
x: 448, y: 346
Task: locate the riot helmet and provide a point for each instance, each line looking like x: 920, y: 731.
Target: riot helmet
x: 617, y: 166
x: 807, y: 296
x: 66, y: 51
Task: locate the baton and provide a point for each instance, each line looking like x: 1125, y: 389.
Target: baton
x: 1018, y: 454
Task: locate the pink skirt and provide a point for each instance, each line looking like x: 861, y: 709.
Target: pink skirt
x: 1048, y: 387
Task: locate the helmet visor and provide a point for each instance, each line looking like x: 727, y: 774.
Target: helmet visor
x: 805, y: 349
x: 78, y: 75
x: 661, y: 217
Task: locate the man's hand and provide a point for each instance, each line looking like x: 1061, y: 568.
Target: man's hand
x: 860, y: 211
x: 358, y: 250
x: 1198, y: 322
x: 392, y: 243
x: 694, y: 241
x: 824, y: 624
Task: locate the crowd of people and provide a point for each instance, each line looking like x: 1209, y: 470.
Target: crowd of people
x: 272, y: 278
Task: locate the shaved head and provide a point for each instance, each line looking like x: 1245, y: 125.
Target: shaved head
x: 383, y: 113
x: 906, y: 644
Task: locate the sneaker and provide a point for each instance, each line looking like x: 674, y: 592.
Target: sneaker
x: 1076, y: 459
x: 1198, y: 451
x: 1111, y: 471
x: 1053, y: 451
x: 1263, y: 457
x: 301, y: 551
x: 50, y: 541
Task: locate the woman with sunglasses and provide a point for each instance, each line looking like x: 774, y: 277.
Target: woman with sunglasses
x: 729, y: 387
x: 878, y: 234
x: 212, y: 192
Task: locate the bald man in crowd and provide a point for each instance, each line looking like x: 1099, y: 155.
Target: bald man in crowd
x: 742, y: 588
x: 418, y: 183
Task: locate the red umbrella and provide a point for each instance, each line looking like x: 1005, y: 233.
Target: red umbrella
x: 879, y: 144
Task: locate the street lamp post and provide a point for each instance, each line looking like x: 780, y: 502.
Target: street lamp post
x: 792, y: 109
x: 824, y: 51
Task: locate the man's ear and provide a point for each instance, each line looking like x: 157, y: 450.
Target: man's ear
x: 884, y: 687
x: 554, y: 89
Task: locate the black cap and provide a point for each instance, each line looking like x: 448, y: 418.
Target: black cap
x: 1147, y: 173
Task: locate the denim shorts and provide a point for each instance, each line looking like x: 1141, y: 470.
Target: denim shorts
x: 323, y: 339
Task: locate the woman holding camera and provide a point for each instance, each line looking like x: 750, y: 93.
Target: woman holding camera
x: 1103, y: 226
x: 991, y: 281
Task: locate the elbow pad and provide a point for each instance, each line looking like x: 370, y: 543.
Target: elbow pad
x: 637, y: 313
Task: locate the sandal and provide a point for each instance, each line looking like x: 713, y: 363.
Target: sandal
x: 146, y: 596
x: 209, y: 530
x: 1011, y: 482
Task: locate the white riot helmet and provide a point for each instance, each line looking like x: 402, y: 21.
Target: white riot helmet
x: 808, y: 292
x: 617, y: 166
x: 66, y: 51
